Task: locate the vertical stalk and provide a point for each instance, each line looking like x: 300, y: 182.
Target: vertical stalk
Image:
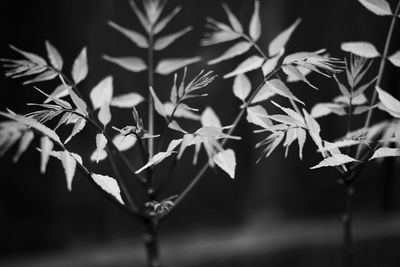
x: 150, y: 63
x: 152, y: 242
x: 347, y: 220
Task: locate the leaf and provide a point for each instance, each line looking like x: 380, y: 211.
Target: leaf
x: 133, y: 64
x: 251, y: 63
x: 226, y: 161
x: 292, y: 113
x: 163, y: 23
x: 392, y: 104
x: 167, y: 66
x: 335, y: 160
x: 78, y: 126
x: 109, y: 185
x: 383, y: 152
x: 60, y: 92
x: 46, y: 146
x: 102, y: 93
x: 271, y: 63
x: 301, y: 139
x: 129, y: 100
x: 263, y: 94
x: 54, y: 56
x: 101, y: 143
x: 24, y: 143
x: 279, y: 88
x: 57, y: 101
x: 378, y: 7
x: 255, y: 23
x: 209, y: 118
x: 69, y: 165
x: 241, y: 87
x: 165, y: 41
x: 362, y: 49
x: 33, y: 124
x: 80, y: 67
x: 124, y: 143
x: 258, y: 116
x: 78, y: 102
x: 142, y: 19
x: 158, y: 105
x: 280, y: 41
x: 324, y: 109
x: 293, y: 72
x: 181, y: 111
x: 233, y: 20
x: 313, y: 129
x: 44, y: 76
x: 104, y: 115
x: 132, y: 35
x: 236, y: 50
x: 395, y: 59
x: 32, y: 57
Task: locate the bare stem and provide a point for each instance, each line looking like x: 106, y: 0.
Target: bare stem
x: 150, y: 59
x: 348, y: 243
x: 381, y: 70
x: 152, y: 242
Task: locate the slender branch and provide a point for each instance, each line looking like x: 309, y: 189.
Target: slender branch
x: 381, y: 70
x: 348, y: 242
x: 150, y: 59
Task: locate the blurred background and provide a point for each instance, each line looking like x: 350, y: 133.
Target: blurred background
x: 275, y: 213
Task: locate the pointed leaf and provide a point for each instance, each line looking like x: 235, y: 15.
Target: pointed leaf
x: 101, y: 142
x: 279, y: 88
x: 133, y: 64
x: 104, y: 115
x: 102, y: 93
x: 44, y: 76
x: 109, y: 185
x: 32, y: 57
x: 391, y: 103
x: 210, y: 118
x: 78, y: 126
x: 24, y: 143
x: 167, y: 66
x: 301, y: 138
x: 263, y: 94
x: 129, y: 100
x: 132, y: 35
x: 69, y: 165
x: 258, y: 116
x: 252, y: 63
x: 158, y: 105
x: 384, y: 152
x: 280, y: 41
x: 236, y: 50
x: 395, y: 59
x: 362, y: 49
x: 233, y: 20
x: 165, y: 41
x: 54, y: 56
x: 379, y: 7
x: 255, y: 22
x: 46, y: 146
x: 226, y: 161
x: 80, y: 67
x: 335, y: 160
x: 164, y: 22
x: 241, y: 87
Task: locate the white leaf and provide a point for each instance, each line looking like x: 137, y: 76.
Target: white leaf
x: 385, y: 152
x: 133, y: 64
x: 255, y: 23
x: 391, y: 103
x: 44, y: 76
x: 34, y: 124
x: 80, y: 67
x: 129, y: 100
x: 79, y: 125
x: 98, y: 155
x: 294, y: 74
x: 24, y: 143
x: 301, y: 139
x: 241, y: 87
x: 252, y: 63
x: 263, y: 94
x: 104, y: 115
x: 124, y: 143
x: 69, y: 165
x: 236, y: 50
x: 280, y: 41
x: 295, y: 77
x: 379, y: 7
x: 142, y: 18
x: 258, y: 116
x: 54, y: 56
x: 226, y: 161
x: 209, y: 118
x: 175, y: 126
x: 134, y: 36
x: 271, y: 63
x: 362, y: 49
x: 158, y: 105
x: 165, y: 41
x: 279, y: 88
x: 60, y: 92
x: 109, y: 185
x: 335, y: 160
x: 101, y: 142
x: 102, y: 93
x: 395, y: 59
x: 180, y: 111
x: 233, y: 20
x: 167, y: 66
x: 324, y: 109
x: 46, y: 146
x: 32, y: 57
x: 313, y: 129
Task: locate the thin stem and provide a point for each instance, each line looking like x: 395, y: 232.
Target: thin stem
x: 150, y: 59
x: 205, y: 167
x: 347, y: 220
x: 381, y: 70
x: 152, y: 242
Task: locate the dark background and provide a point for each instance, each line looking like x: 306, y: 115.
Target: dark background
x: 297, y: 210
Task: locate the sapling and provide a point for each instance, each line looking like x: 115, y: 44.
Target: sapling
x: 66, y: 106
x: 348, y: 154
